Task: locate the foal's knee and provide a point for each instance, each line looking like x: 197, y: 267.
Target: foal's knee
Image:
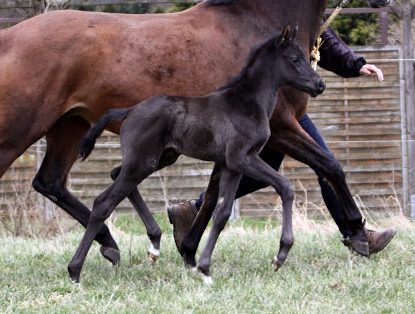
x: 101, y: 210
x: 286, y: 190
x: 115, y: 172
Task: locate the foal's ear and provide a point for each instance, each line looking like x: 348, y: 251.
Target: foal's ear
x: 294, y: 32
x: 285, y: 34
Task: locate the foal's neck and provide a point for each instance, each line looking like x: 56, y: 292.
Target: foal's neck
x: 263, y: 87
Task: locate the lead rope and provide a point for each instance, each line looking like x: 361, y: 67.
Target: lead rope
x: 315, y: 53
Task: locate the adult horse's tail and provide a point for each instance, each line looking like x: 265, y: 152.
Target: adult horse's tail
x: 87, y: 144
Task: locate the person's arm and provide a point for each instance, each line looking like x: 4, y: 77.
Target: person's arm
x: 336, y: 56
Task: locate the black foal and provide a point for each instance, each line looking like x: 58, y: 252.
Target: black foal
x: 229, y: 127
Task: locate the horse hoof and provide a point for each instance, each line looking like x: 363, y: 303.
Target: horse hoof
x: 153, y: 258
x: 153, y: 253
x: 74, y: 275
x: 276, y: 264
x: 207, y: 280
x: 111, y: 254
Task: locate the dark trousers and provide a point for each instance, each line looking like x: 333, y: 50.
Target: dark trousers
x: 274, y: 159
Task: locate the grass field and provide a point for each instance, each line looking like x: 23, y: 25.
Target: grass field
x: 320, y: 274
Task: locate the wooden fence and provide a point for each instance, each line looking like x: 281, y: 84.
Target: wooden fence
x: 359, y: 117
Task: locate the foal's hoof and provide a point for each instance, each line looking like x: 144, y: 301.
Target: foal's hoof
x: 207, y: 279
x: 276, y: 264
x: 73, y: 274
x: 111, y: 254
x: 153, y: 253
x: 153, y: 258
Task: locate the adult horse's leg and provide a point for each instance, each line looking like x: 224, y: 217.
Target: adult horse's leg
x: 9, y: 151
x: 227, y: 188
x: 153, y: 229
x: 295, y: 142
x: 14, y: 139
x: 61, y: 153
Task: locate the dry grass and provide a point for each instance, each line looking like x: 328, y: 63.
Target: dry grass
x: 25, y: 216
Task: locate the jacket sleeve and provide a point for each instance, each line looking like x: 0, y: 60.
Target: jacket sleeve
x: 337, y: 57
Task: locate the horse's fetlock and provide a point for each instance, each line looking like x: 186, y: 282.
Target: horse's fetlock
x: 204, y: 269
x: 155, y: 235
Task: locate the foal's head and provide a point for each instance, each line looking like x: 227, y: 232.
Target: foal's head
x: 276, y: 62
x: 289, y: 65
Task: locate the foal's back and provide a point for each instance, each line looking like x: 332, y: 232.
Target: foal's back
x: 198, y: 127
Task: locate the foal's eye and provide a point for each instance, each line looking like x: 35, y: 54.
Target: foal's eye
x: 295, y: 60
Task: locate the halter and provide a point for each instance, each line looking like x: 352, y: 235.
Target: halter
x: 315, y: 53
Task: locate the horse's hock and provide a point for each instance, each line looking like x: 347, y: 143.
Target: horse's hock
x: 359, y: 118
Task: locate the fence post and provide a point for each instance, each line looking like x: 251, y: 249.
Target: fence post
x: 408, y: 56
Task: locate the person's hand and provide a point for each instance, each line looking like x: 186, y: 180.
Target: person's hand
x: 370, y: 69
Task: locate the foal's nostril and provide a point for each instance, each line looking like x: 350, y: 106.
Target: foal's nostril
x: 321, y: 86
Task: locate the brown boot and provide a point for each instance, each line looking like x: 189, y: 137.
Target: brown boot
x: 181, y: 216
x: 378, y: 240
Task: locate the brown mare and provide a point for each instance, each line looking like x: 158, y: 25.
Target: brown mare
x: 60, y: 71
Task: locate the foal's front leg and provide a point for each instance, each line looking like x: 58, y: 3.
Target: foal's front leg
x: 229, y: 182
x: 259, y: 170
x: 104, y: 205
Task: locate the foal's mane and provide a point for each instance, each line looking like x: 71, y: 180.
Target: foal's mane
x: 252, y: 56
x: 220, y: 2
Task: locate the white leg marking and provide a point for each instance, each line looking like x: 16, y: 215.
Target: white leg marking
x: 153, y: 250
x: 207, y: 280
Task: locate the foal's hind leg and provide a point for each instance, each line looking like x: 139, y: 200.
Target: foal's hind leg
x: 61, y: 153
x: 104, y: 205
x: 153, y: 229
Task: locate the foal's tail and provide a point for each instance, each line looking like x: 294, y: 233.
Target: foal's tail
x: 87, y: 144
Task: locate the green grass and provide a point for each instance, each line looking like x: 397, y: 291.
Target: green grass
x: 319, y: 276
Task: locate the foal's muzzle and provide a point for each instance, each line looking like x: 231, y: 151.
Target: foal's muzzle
x: 318, y: 88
